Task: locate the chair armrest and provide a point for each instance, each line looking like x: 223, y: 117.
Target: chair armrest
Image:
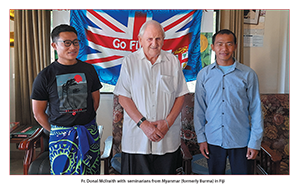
x: 273, y: 154
x: 28, y: 143
x: 107, y: 154
x: 107, y: 148
x: 186, y: 158
x: 101, y: 129
x: 29, y: 146
x: 186, y: 155
x: 268, y: 161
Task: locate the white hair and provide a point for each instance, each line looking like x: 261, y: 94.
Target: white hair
x: 143, y: 28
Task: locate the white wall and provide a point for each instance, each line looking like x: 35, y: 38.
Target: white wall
x: 105, y: 116
x: 271, y: 62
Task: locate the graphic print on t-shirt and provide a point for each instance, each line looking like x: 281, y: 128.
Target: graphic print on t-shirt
x: 72, y: 92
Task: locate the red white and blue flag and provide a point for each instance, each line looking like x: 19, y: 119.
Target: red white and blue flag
x: 109, y: 35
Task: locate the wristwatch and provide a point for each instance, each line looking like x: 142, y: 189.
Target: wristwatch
x: 141, y: 121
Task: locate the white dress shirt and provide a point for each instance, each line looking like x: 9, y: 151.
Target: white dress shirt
x: 153, y: 89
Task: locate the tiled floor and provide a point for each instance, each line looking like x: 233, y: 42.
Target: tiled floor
x: 16, y: 162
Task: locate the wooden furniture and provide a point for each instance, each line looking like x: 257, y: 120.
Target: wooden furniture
x: 112, y: 164
x: 274, y: 155
x: 20, y: 132
x: 117, y: 137
x: 267, y: 161
x: 107, y: 154
x: 38, y: 140
x: 272, y: 159
x: 36, y: 147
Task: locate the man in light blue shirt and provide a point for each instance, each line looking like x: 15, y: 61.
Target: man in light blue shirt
x: 227, y: 115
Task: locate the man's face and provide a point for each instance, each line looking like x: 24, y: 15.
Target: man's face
x: 224, y: 48
x: 152, y: 41
x: 66, y: 55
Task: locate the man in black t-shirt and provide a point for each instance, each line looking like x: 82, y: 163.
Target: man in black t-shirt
x: 69, y: 89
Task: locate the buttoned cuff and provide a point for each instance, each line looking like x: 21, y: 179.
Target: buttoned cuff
x: 201, y: 138
x: 254, y: 145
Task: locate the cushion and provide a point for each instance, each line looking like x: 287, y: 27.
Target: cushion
x: 40, y: 166
x: 116, y: 162
x: 199, y: 165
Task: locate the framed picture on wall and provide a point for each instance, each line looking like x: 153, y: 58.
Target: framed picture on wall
x: 251, y: 16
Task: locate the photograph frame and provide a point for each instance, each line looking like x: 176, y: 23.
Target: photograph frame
x: 251, y: 16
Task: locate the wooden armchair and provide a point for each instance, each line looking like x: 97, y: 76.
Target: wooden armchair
x: 113, y: 145
x: 38, y: 140
x: 274, y: 154
x: 267, y: 161
x: 36, y: 159
x: 107, y: 154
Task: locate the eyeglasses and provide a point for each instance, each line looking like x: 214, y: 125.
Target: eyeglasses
x: 68, y: 43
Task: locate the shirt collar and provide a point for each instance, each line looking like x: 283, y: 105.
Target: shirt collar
x: 236, y: 65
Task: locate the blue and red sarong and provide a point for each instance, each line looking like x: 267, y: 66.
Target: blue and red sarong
x: 75, y: 150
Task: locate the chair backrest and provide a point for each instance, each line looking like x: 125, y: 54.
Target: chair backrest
x: 187, y: 121
x: 46, y: 136
x: 117, y: 125
x: 187, y: 131
x: 276, y: 126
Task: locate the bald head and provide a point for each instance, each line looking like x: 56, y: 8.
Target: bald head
x: 153, y: 23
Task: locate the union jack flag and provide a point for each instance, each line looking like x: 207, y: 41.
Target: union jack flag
x: 109, y: 35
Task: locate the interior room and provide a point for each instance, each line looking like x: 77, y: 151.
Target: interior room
x: 263, y: 44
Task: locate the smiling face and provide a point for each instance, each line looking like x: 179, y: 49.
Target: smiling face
x: 224, y: 48
x: 152, y: 41
x: 66, y: 55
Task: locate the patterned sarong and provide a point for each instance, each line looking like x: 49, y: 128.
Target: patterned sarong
x: 75, y: 150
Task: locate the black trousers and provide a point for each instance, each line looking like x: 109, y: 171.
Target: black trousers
x: 239, y: 164
x: 151, y: 164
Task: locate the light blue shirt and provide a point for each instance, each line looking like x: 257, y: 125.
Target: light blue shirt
x: 227, y: 109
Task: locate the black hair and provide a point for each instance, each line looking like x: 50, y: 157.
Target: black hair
x: 224, y: 31
x: 61, y: 28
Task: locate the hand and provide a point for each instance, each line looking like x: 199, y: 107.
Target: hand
x: 151, y: 131
x: 162, y: 126
x: 251, y: 153
x: 204, y: 149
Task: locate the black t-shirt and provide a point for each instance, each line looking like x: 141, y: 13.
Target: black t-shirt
x: 68, y: 90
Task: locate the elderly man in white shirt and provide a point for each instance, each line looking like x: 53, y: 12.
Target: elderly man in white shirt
x: 151, y: 89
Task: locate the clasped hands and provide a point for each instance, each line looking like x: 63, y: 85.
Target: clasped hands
x: 155, y: 131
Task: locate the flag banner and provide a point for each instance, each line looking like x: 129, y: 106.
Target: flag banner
x: 106, y: 36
